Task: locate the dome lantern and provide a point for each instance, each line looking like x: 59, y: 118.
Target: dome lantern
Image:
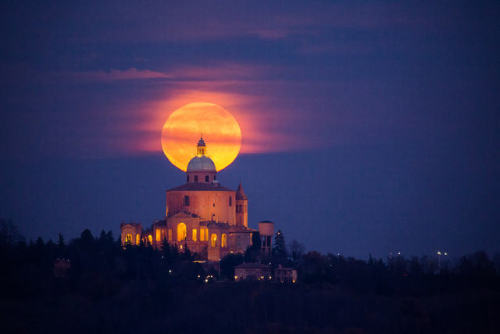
x: 201, y: 169
x: 201, y: 149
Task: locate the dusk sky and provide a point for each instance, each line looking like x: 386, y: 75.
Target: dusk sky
x: 367, y: 126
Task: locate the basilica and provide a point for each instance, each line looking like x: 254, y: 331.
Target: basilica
x: 202, y: 215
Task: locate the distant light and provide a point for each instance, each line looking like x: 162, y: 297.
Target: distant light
x: 445, y: 253
x: 438, y: 253
x: 235, y: 277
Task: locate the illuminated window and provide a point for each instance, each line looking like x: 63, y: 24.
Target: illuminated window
x: 195, y: 234
x: 196, y: 178
x: 128, y: 238
x: 158, y: 235
x: 169, y: 234
x: 150, y: 239
x: 213, y: 240
x: 223, y: 240
x: 230, y: 201
x: 203, y: 234
x: 137, y: 239
x: 181, y: 232
x: 206, y: 178
x: 186, y: 200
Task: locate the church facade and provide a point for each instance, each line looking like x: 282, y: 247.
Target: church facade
x: 201, y: 214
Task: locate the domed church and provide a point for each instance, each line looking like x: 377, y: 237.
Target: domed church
x: 201, y: 214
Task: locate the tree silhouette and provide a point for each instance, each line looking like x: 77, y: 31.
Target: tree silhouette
x: 280, y: 253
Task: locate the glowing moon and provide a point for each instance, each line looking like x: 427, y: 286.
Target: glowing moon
x: 183, y: 129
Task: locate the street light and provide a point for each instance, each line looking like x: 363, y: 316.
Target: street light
x: 439, y: 254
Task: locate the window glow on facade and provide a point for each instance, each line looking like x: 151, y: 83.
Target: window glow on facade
x: 195, y: 234
x: 203, y: 234
x: 181, y: 232
x: 223, y: 240
x: 158, y: 235
x: 213, y: 240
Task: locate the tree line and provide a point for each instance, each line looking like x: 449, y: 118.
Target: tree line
x: 93, y: 283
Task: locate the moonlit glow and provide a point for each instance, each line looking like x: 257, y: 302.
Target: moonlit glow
x: 183, y: 129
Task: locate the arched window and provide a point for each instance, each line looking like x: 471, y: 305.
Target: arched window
x: 196, y: 178
x: 195, y: 234
x: 206, y: 178
x: 150, y: 239
x: 223, y: 240
x: 137, y: 239
x: 181, y: 232
x: 158, y: 235
x: 188, y: 178
x: 169, y: 234
x: 186, y: 200
x: 230, y: 200
x: 128, y: 238
x: 203, y: 234
x: 213, y: 240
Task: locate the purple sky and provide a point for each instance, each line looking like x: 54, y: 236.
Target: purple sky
x: 367, y: 127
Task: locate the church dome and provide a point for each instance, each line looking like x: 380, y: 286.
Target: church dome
x: 201, y: 164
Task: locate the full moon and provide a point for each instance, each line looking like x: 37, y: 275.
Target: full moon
x: 186, y: 125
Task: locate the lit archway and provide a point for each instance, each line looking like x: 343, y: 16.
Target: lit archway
x: 181, y: 232
x: 223, y: 240
x: 137, y: 239
x: 213, y: 240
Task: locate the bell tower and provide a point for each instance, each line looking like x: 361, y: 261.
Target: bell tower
x: 241, y: 207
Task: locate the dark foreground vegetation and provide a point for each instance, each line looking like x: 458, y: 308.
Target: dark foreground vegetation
x: 93, y: 285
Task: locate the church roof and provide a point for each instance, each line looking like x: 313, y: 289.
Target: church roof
x: 184, y: 214
x: 193, y: 186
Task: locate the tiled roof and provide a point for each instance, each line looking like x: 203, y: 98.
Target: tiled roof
x: 253, y: 265
x: 200, y: 187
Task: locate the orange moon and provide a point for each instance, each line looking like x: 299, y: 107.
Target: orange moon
x: 185, y: 126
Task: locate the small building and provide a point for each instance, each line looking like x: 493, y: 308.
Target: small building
x: 252, y: 271
x: 285, y: 275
